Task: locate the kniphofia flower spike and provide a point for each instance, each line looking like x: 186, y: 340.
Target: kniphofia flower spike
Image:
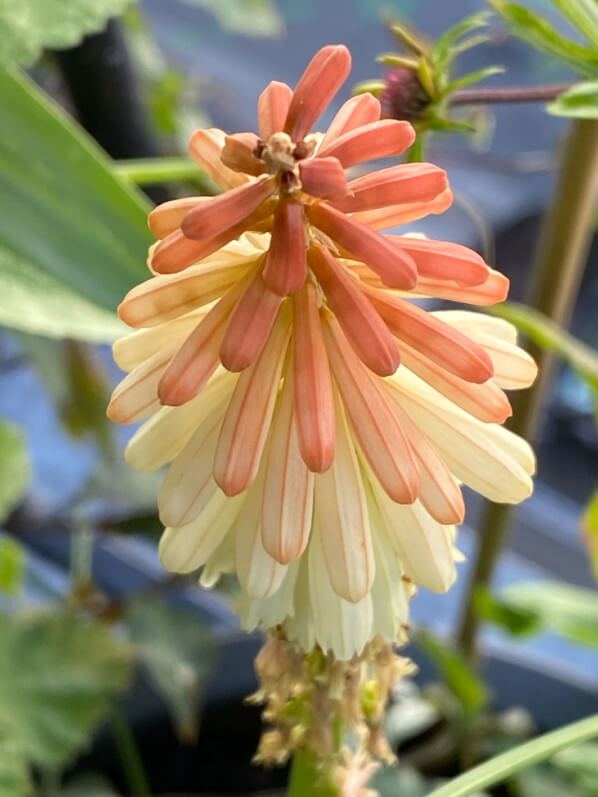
x: 267, y: 354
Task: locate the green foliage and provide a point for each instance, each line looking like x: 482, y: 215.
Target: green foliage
x: 57, y: 676
x: 460, y: 678
x: 14, y: 774
x: 443, y: 50
x: 582, y: 14
x: 14, y: 468
x: 177, y: 651
x: 517, y: 620
x: 28, y: 26
x: 12, y: 567
x: 562, y: 608
x: 503, y: 766
x: 580, y: 763
x: 73, y: 237
x: 250, y: 17
x: 88, y: 786
x: 538, y: 32
x: 589, y: 525
x: 580, y: 101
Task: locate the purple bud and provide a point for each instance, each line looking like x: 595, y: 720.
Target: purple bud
x: 404, y: 96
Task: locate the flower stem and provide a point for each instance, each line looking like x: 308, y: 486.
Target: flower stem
x: 131, y: 762
x: 559, y: 265
x: 305, y: 779
x: 164, y: 170
x: 508, y: 94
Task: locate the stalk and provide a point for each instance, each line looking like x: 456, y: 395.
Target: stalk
x: 163, y: 170
x: 559, y: 264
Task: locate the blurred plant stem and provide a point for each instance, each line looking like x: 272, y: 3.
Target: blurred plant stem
x: 304, y: 778
x: 559, y: 264
x: 164, y: 170
x: 130, y: 759
x: 81, y: 563
x: 485, y: 96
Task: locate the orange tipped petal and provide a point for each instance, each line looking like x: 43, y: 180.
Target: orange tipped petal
x: 205, y: 147
x: 443, y: 260
x: 314, y: 400
x: 227, y: 210
x: 163, y: 298
x: 288, y: 487
x: 380, y: 436
x: 286, y: 265
x: 494, y: 290
x: 369, y: 142
x: 238, y: 154
x: 444, y: 345
x: 405, y: 212
x: 247, y: 420
x: 396, y: 269
x: 341, y: 513
x: 440, y: 493
x: 250, y: 324
x: 487, y: 402
x: 356, y: 112
x: 273, y: 107
x: 198, y: 357
x: 325, y: 74
x: 167, y: 217
x: 416, y: 181
x: 323, y: 177
x: 366, y: 331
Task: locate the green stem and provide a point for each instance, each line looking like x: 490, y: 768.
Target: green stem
x: 164, y: 170
x: 559, y: 264
x: 81, y: 557
x: 137, y: 782
x: 305, y: 780
x: 525, y: 755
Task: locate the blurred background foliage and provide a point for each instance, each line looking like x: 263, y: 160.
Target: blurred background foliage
x: 73, y: 240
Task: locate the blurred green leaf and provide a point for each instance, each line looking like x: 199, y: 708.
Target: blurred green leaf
x: 88, y: 785
x: 569, y: 611
x: 538, y: 32
x: 249, y: 17
x: 12, y: 567
x: 73, y: 236
x: 589, y: 525
x: 460, y: 678
x: 178, y: 653
x: 501, y: 767
x: 58, y: 674
x: 580, y: 101
x: 401, y: 781
x: 14, y: 775
x: 582, y: 14
x: 28, y: 26
x: 14, y: 468
x: 516, y: 620
x: 581, y: 764
x: 473, y: 77
x: 544, y: 779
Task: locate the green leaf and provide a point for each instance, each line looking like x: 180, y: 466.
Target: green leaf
x: 501, y: 767
x: 581, y: 764
x: 249, y: 17
x: 14, y: 775
x: 88, y: 785
x: 567, y: 610
x: 540, y: 34
x: 28, y: 26
x: 517, y: 620
x: 583, y: 15
x: 442, y: 49
x: 460, y: 678
x: 178, y: 652
x: 580, y: 101
x: 73, y: 236
x: 12, y: 567
x: 589, y: 525
x: 58, y: 674
x: 473, y: 77
x: 14, y: 468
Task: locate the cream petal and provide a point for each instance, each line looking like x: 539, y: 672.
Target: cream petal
x: 187, y: 548
x: 136, y: 397
x: 165, y: 435
x: 288, y: 490
x: 341, y: 513
x: 514, y: 369
x: 269, y: 612
x: 259, y: 574
x: 462, y: 442
x: 473, y: 323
